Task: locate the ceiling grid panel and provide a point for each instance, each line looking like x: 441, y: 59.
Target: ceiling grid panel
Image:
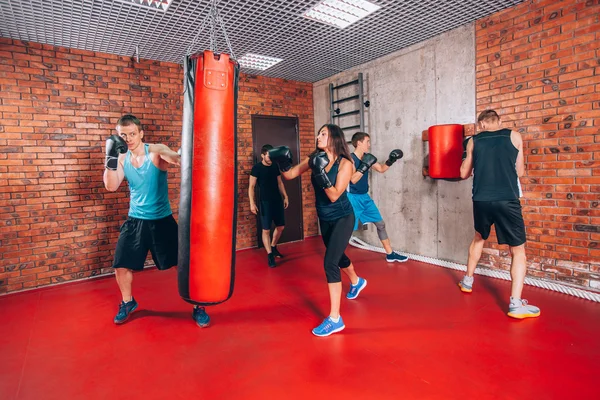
x: 310, y: 50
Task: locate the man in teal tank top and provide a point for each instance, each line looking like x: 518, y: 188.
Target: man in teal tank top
x: 150, y: 225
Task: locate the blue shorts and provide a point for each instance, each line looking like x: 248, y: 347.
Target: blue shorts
x: 365, y: 209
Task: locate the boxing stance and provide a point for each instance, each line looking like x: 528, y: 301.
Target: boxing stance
x: 273, y: 200
x: 331, y: 170
x: 150, y: 224
x: 495, y: 157
x: 364, y: 207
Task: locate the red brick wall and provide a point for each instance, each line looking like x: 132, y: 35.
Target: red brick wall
x: 57, y: 106
x: 538, y: 65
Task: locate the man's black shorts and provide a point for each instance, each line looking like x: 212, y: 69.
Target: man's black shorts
x: 271, y: 211
x: 506, y: 216
x: 140, y: 235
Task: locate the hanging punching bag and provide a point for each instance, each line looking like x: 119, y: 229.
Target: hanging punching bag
x: 445, y: 151
x: 208, y: 207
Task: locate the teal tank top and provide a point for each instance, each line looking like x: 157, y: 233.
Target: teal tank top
x: 149, y: 198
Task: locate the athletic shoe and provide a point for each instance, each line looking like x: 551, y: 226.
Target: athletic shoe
x: 356, y: 289
x: 395, y: 257
x: 201, y: 317
x: 466, y: 284
x: 329, y: 327
x: 125, y: 310
x: 271, y: 260
x: 520, y: 309
x: 276, y: 252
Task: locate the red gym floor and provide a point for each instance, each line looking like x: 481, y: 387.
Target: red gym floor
x: 411, y: 335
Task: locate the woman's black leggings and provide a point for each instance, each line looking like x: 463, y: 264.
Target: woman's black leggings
x: 336, y: 235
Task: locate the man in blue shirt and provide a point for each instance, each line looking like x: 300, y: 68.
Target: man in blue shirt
x: 150, y: 224
x: 364, y: 207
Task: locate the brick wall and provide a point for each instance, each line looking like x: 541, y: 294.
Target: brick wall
x: 57, y: 106
x: 538, y: 65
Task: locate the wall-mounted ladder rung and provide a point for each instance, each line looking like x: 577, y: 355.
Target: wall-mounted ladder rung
x: 337, y: 112
x: 346, y: 99
x: 354, y: 82
x: 347, y: 113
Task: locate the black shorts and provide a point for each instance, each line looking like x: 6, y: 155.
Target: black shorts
x: 506, y: 216
x: 140, y: 235
x: 271, y: 212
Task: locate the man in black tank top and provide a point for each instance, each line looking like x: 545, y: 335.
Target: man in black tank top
x: 495, y: 159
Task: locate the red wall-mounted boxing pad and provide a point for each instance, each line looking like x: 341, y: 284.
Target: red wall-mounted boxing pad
x: 445, y: 151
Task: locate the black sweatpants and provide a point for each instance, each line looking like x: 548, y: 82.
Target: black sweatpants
x: 336, y: 235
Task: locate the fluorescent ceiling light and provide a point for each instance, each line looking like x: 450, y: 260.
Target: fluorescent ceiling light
x: 256, y: 61
x: 161, y: 5
x: 340, y: 13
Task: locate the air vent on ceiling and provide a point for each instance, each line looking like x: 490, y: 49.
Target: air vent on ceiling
x: 258, y: 62
x: 160, y: 5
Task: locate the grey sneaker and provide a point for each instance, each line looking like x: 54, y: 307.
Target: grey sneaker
x: 520, y: 309
x: 466, y: 284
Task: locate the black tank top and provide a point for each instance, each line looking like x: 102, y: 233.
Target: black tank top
x: 326, y: 210
x: 494, y: 167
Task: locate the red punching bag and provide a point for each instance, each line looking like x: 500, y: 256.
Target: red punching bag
x: 208, y: 207
x: 445, y: 151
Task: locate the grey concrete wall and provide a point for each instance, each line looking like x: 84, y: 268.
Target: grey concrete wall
x: 426, y: 84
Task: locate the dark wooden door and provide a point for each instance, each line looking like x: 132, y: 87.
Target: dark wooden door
x: 281, y: 131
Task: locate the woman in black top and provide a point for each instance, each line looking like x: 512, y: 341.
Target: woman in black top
x: 331, y: 170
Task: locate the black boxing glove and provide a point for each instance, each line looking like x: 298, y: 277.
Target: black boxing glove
x: 367, y: 162
x: 317, y: 164
x: 115, y: 145
x: 282, y: 156
x: 395, y: 155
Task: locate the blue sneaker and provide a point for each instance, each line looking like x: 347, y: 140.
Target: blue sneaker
x: 329, y: 327
x: 356, y: 289
x: 201, y: 317
x: 396, y: 257
x: 125, y: 310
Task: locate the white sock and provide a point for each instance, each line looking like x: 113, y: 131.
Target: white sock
x: 336, y: 320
